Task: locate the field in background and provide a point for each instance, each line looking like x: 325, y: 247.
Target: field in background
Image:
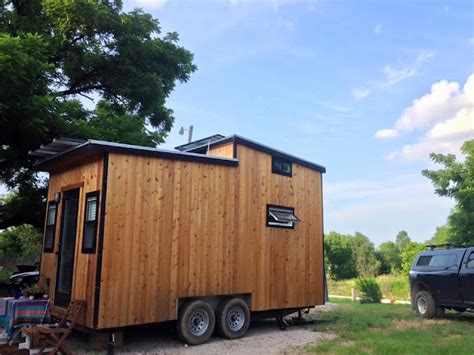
x: 393, y: 287
x: 392, y: 329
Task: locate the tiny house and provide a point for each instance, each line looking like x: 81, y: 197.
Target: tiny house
x: 210, y: 234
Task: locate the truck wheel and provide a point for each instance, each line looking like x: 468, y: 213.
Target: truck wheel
x: 196, y: 322
x: 425, y: 305
x: 460, y: 309
x: 233, y: 318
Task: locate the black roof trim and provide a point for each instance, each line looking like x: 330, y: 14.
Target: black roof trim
x: 263, y: 148
x: 91, y: 146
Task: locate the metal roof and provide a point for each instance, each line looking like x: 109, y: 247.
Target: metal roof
x: 56, y: 146
x: 90, y: 147
x: 62, y: 148
x: 199, y: 143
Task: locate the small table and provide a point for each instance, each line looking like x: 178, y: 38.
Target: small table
x: 23, y: 313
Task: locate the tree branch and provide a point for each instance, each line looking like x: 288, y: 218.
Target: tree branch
x: 80, y: 90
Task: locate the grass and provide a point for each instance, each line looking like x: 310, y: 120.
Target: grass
x: 392, y: 329
x: 393, y: 287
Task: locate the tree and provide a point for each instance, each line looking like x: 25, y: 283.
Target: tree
x: 408, y: 255
x: 339, y: 256
x: 20, y: 244
x: 402, y: 239
x: 53, y: 51
x: 392, y: 260
x: 441, y: 235
x: 456, y: 180
x: 367, y: 263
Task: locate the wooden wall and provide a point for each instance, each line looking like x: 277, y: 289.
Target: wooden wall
x: 178, y: 229
x: 285, y: 266
x: 88, y: 176
x: 224, y: 150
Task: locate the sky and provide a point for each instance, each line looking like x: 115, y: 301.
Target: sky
x: 366, y: 88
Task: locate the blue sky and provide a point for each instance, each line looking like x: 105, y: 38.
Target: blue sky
x: 366, y: 88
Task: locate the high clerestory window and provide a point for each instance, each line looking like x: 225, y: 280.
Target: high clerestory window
x: 281, y: 166
x: 282, y: 217
x: 90, y: 222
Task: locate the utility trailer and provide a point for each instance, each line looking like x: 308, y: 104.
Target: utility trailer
x: 210, y: 234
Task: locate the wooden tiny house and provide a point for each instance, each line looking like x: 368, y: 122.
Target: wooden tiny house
x: 138, y: 232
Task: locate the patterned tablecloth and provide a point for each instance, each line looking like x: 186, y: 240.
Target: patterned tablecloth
x: 3, y: 305
x: 23, y: 312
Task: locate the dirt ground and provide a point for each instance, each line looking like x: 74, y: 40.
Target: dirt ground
x: 263, y: 337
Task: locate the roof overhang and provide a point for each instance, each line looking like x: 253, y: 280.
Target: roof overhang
x: 92, y: 148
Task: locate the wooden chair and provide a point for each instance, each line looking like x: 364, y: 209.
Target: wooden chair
x: 54, y: 336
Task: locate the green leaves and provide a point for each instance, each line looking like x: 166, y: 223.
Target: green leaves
x: 54, y: 51
x: 456, y: 180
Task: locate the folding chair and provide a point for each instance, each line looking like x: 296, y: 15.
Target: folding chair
x: 54, y: 336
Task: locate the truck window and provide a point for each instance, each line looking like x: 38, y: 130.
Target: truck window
x: 424, y: 260
x: 437, y: 261
x: 470, y: 261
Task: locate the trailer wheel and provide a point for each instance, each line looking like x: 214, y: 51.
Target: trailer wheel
x: 233, y: 318
x: 425, y: 305
x: 196, y: 322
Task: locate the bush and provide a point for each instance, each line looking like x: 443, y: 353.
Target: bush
x: 21, y: 244
x: 369, y: 290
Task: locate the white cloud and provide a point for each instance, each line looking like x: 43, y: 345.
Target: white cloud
x: 151, y: 3
x: 386, y: 133
x: 378, y: 29
x: 360, y: 94
x: 461, y: 124
x: 445, y: 116
x: 395, y: 75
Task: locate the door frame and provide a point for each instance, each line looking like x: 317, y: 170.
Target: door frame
x: 65, y: 302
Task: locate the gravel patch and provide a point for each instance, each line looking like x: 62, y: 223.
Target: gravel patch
x: 263, y: 337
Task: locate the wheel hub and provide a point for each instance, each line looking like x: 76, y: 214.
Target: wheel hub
x: 198, y: 322
x: 422, y: 307
x: 235, y: 318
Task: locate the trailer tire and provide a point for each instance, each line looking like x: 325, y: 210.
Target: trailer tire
x: 425, y: 305
x: 233, y: 318
x: 196, y: 322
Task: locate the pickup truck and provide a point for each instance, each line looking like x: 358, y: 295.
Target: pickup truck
x: 442, y: 279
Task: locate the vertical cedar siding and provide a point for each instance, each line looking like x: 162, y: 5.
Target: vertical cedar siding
x: 181, y: 229
x: 87, y: 175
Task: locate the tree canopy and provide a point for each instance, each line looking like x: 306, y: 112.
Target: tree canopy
x: 53, y: 52
x: 456, y: 180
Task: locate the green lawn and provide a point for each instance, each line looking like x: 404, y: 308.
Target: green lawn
x: 393, y: 329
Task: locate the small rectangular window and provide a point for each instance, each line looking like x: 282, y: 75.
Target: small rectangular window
x: 50, y: 229
x: 283, y: 217
x: 281, y: 166
x: 437, y: 261
x: 424, y: 260
x: 90, y: 222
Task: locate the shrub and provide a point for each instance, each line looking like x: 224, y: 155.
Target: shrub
x: 369, y: 290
